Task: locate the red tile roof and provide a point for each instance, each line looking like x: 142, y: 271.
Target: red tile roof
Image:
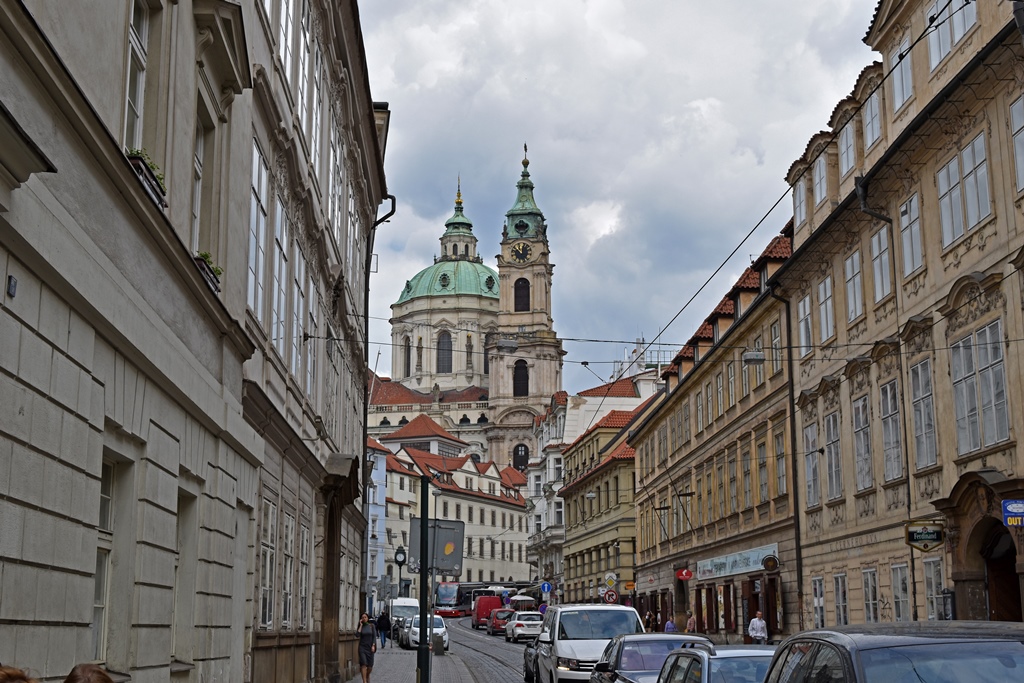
x: 420, y: 427
x: 395, y: 502
x: 750, y: 280
x: 428, y: 463
x: 780, y: 248
x: 560, y: 398
x: 513, y: 477
x: 374, y: 445
x: 616, y: 419
x: 622, y: 388
x: 724, y: 307
x: 384, y: 392
x: 396, y: 465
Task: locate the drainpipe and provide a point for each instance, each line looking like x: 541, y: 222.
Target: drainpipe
x: 795, y: 464
x: 861, y: 185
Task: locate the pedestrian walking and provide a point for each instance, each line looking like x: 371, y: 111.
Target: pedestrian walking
x: 670, y: 624
x: 367, y: 645
x: 88, y: 673
x: 648, y: 622
x: 383, y: 627
x: 691, y: 622
x: 758, y: 630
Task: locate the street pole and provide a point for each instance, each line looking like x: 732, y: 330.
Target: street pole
x: 422, y: 651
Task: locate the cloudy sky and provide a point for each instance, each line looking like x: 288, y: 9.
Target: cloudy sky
x: 659, y: 133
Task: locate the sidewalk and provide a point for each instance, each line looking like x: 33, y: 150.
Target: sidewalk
x: 395, y: 665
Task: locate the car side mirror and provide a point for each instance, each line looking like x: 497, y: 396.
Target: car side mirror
x: 544, y: 637
x: 603, y: 666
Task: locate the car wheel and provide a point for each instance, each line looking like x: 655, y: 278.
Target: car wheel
x: 515, y: 638
x: 527, y: 675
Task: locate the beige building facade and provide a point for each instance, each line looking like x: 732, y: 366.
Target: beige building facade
x: 188, y: 197
x: 906, y: 319
x: 714, y: 498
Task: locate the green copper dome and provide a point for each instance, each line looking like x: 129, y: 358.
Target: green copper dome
x: 452, y: 278
x: 524, y: 219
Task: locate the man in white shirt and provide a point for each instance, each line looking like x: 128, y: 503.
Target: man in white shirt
x: 758, y: 630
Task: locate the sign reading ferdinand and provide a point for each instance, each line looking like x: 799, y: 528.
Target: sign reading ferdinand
x: 924, y: 536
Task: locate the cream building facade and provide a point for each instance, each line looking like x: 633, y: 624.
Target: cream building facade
x: 188, y: 199
x: 905, y: 292
x: 713, y: 490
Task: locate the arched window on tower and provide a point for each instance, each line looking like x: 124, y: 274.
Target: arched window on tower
x: 407, y: 357
x: 520, y: 379
x: 455, y: 250
x: 522, y: 294
x: 465, y: 250
x: 444, y: 353
x: 520, y: 457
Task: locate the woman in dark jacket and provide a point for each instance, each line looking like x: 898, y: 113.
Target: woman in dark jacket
x: 367, y: 645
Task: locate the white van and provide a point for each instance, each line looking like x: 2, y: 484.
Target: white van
x: 573, y: 637
x: 406, y: 608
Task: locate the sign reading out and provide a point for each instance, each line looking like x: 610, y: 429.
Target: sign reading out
x: 1013, y: 512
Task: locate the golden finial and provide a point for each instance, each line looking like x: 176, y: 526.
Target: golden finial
x: 458, y: 193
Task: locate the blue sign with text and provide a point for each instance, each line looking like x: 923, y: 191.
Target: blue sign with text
x: 1013, y: 513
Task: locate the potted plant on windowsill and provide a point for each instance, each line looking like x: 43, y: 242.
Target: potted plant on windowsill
x: 209, y: 269
x: 149, y: 173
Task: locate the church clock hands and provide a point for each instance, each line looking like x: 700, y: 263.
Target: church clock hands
x: 521, y: 252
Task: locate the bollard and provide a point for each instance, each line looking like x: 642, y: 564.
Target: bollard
x: 437, y: 644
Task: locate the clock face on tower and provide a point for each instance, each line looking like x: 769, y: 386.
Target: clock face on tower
x: 521, y: 252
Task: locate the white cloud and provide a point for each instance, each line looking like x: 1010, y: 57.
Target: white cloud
x: 659, y: 134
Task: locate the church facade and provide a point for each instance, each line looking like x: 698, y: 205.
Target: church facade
x: 474, y: 347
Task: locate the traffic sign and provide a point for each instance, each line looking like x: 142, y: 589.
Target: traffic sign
x: 545, y: 587
x: 610, y: 596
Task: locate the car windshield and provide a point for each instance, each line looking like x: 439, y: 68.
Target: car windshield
x: 740, y: 669
x: 597, y: 624
x: 646, y: 655
x: 992, y: 662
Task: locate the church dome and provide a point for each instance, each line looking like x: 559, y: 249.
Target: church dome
x: 452, y: 278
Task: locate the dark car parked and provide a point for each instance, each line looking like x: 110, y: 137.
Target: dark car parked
x: 637, y: 657
x: 530, y: 661
x: 911, y: 652
x: 719, y: 664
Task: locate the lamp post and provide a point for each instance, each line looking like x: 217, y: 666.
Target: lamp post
x: 399, y: 562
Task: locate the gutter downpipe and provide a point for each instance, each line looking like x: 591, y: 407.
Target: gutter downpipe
x: 861, y: 185
x: 364, y: 477
x: 795, y: 463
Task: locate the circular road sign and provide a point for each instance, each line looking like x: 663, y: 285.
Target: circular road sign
x: 610, y: 596
x: 545, y: 587
x: 684, y: 574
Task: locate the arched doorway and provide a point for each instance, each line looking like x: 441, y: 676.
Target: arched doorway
x: 984, y: 554
x: 999, y: 554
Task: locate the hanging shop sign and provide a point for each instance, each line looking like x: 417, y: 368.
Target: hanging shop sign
x: 924, y: 536
x: 743, y: 562
x: 1013, y: 513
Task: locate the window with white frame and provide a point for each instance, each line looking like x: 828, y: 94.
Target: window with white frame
x: 880, y: 270
x: 758, y: 368
x: 862, y: 444
x: 925, y: 447
x: 776, y: 334
x: 1017, y: 128
x: 803, y: 313
x: 979, y: 389
x: 846, y: 152
x: 900, y: 594
x: 842, y: 607
x: 720, y: 393
x: 818, y: 598
x: 870, y: 577
x: 104, y: 547
x: 708, y: 499
x: 686, y: 422
x: 558, y: 512
x: 730, y: 371
x: 257, y: 232
x: 305, y: 48
x: 285, y: 35
x: 854, y: 286
x: 891, y: 448
x: 700, y: 503
x: 197, y: 184
x: 933, y: 585
x: 826, y: 309
x: 287, y: 570
x: 268, y: 566
x: 302, y: 624
x: 811, y: 465
x: 279, y: 287
x: 952, y: 20
x: 762, y: 471
x: 745, y: 379
x: 799, y: 201
x: 733, y: 500
x: 833, y: 459
x: 910, y: 229
x: 748, y: 498
x: 963, y: 202
x: 311, y: 344
x: 707, y: 391
x: 872, y: 120
x: 902, y: 77
x: 721, y: 490
x: 780, y: 463
x: 298, y: 311
x: 138, y: 38
x: 317, y: 97
x: 820, y: 182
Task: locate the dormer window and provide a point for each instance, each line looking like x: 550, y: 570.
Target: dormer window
x: 763, y: 279
x: 846, y: 149
x: 872, y: 123
x: 820, y: 187
x: 799, y: 202
x: 902, y: 78
x: 714, y: 331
